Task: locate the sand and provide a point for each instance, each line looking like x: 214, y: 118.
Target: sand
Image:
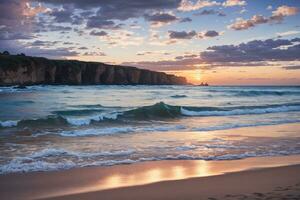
x: 252, y: 178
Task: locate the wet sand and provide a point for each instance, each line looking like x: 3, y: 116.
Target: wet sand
x: 252, y: 178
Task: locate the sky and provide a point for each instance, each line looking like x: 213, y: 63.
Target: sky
x: 222, y: 42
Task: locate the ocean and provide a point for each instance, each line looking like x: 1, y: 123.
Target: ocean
x: 45, y: 128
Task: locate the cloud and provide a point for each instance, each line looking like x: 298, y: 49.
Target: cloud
x: 165, y: 65
x: 230, y: 3
x: 93, y: 53
x: 97, y: 22
x: 122, y: 38
x: 118, y: 9
x: 210, y: 12
x: 41, y: 43
x: 144, y: 53
x: 182, y: 34
x: 62, y: 15
x: 251, y: 54
x: 50, y: 53
x: 187, y: 5
x: 37, y: 50
x: 241, y: 24
x: 294, y: 67
x: 98, y: 33
x: 6, y: 34
x: 159, y: 19
x: 192, y: 34
x: 285, y: 11
x: 187, y: 56
x: 207, y: 34
x: 254, y: 51
x: 186, y: 19
x: 17, y: 17
x: 277, y: 16
x: 287, y: 33
x: 43, y: 26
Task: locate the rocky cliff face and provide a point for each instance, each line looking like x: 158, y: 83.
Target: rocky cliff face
x: 24, y: 70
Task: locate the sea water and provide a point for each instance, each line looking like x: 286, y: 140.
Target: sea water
x: 60, y: 127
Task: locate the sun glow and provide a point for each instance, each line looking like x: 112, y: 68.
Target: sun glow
x: 197, y: 75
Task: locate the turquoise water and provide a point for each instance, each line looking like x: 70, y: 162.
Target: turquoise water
x: 60, y: 127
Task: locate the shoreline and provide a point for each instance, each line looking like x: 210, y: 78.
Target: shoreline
x: 125, y: 181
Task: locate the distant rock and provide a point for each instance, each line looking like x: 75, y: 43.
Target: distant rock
x: 25, y: 70
x: 203, y: 84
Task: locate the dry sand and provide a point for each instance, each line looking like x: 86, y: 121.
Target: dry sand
x: 252, y: 178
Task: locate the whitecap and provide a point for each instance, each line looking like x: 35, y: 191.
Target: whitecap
x: 9, y: 123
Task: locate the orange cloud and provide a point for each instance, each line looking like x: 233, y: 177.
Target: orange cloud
x: 230, y: 3
x: 277, y: 16
x: 30, y: 11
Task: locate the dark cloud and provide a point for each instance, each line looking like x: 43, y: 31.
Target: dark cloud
x: 211, y: 34
x: 295, y: 67
x: 17, y: 19
x: 182, y: 34
x: 192, y: 34
x: 161, y: 17
x: 94, y: 54
x: 187, y: 56
x: 50, y: 53
x: 6, y: 34
x: 118, y: 9
x: 98, y: 33
x: 186, y: 19
x: 118, y: 5
x: 40, y: 43
x: 68, y: 43
x: 251, y: 54
x: 257, y: 50
x: 82, y: 48
x: 210, y: 12
x: 44, y: 26
x: 62, y: 15
x: 144, y: 53
x: 16, y: 47
x: 97, y: 22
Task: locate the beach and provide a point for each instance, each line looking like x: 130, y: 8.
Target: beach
x: 252, y: 178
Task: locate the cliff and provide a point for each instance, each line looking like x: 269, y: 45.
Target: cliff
x: 25, y: 70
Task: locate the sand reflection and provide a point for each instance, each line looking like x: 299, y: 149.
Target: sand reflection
x: 163, y: 171
x: 104, y: 178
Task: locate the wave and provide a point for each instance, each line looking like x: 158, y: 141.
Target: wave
x: 9, y: 123
x: 54, y: 120
x: 33, y: 163
x: 239, y: 110
x: 67, y: 153
x: 254, y: 93
x: 158, y: 111
x: 119, y: 130
x: 159, y: 128
x: 178, y: 96
x: 77, y: 112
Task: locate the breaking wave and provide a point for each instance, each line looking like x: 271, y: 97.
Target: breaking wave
x: 158, y: 111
